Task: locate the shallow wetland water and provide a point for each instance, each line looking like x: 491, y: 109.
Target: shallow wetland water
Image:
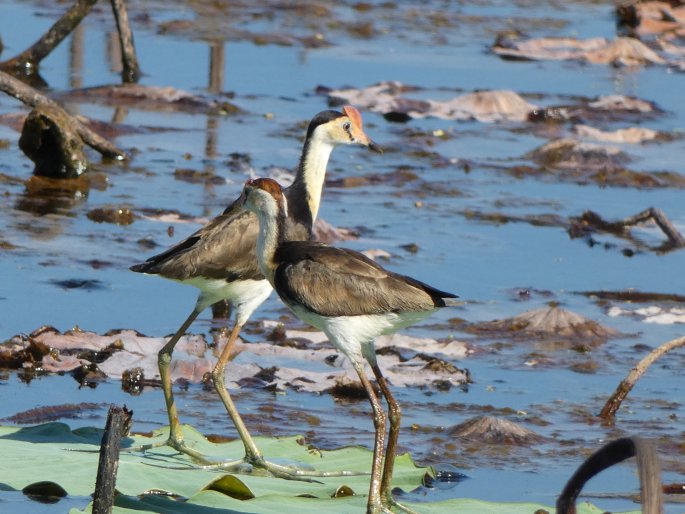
x: 461, y: 204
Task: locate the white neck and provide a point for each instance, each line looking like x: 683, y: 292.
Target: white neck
x: 267, y: 241
x: 312, y: 171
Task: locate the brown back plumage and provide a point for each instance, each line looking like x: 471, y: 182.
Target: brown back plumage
x: 340, y: 282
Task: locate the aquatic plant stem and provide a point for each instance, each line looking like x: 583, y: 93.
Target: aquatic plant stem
x: 614, y: 402
x: 608, y: 455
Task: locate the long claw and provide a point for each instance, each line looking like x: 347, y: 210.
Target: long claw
x: 390, y: 503
x: 247, y: 465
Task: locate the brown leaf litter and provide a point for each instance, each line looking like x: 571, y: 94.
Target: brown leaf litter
x: 622, y: 51
x: 546, y: 323
x: 647, y: 18
x: 603, y: 109
x: 494, y: 430
x: 387, y: 98
x: 315, y: 365
x: 630, y: 135
x: 156, y: 98
x: 583, y: 162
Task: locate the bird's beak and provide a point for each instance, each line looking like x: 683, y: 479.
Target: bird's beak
x: 374, y: 147
x: 242, y: 199
x: 240, y: 202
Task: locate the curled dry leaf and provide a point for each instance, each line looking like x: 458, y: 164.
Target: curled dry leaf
x: 151, y: 97
x: 631, y: 135
x: 327, y: 233
x: 661, y: 315
x: 52, y: 413
x: 568, y: 153
x: 601, y: 110
x: 317, y: 367
x: 622, y: 103
x: 622, y: 51
x: 646, y: 18
x: 546, y: 323
x: 487, y: 106
x: 547, y: 48
x: 494, y: 430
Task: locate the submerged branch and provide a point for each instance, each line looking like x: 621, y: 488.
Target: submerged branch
x: 614, y: 402
x: 592, y: 220
x: 28, y: 61
x: 131, y: 69
x: 658, y: 216
x: 33, y: 98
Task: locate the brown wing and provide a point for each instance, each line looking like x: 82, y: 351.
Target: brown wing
x: 225, y: 248
x: 340, y: 282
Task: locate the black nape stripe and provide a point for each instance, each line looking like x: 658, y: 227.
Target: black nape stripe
x: 320, y: 119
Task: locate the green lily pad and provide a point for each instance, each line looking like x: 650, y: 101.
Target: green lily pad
x: 53, y: 452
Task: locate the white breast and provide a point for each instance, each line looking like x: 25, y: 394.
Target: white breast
x: 354, y: 335
x: 244, y: 295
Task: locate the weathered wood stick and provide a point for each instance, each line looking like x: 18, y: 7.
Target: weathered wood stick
x: 29, y: 60
x: 118, y: 424
x: 612, y: 453
x: 668, y: 228
x: 614, y: 402
x: 131, y: 69
x: 28, y: 95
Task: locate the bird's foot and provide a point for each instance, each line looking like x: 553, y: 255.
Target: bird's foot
x: 248, y: 465
x: 377, y: 508
x: 392, y: 505
x: 178, y: 444
x: 258, y: 465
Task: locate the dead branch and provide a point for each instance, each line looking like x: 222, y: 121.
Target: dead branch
x: 131, y: 69
x: 658, y: 216
x: 28, y: 61
x: 118, y: 426
x: 610, y: 454
x: 590, y: 220
x: 614, y: 402
x: 33, y: 98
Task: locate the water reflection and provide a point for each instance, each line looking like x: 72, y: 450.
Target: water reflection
x: 76, y: 58
x: 44, y: 195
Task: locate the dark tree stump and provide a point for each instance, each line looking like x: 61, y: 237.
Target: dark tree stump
x: 52, y: 142
x: 118, y: 425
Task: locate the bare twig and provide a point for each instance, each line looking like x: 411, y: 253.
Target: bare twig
x: 674, y: 237
x: 590, y: 220
x: 118, y: 425
x: 131, y: 69
x: 30, y: 96
x: 610, y: 454
x: 28, y: 61
x: 614, y: 402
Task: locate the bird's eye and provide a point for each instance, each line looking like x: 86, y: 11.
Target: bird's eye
x: 346, y: 126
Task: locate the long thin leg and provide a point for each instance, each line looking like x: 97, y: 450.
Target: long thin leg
x: 395, y: 416
x: 175, y: 439
x: 253, y: 455
x: 164, y: 362
x: 375, y: 503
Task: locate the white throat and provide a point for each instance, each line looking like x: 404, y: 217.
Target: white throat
x: 314, y: 171
x: 267, y: 241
